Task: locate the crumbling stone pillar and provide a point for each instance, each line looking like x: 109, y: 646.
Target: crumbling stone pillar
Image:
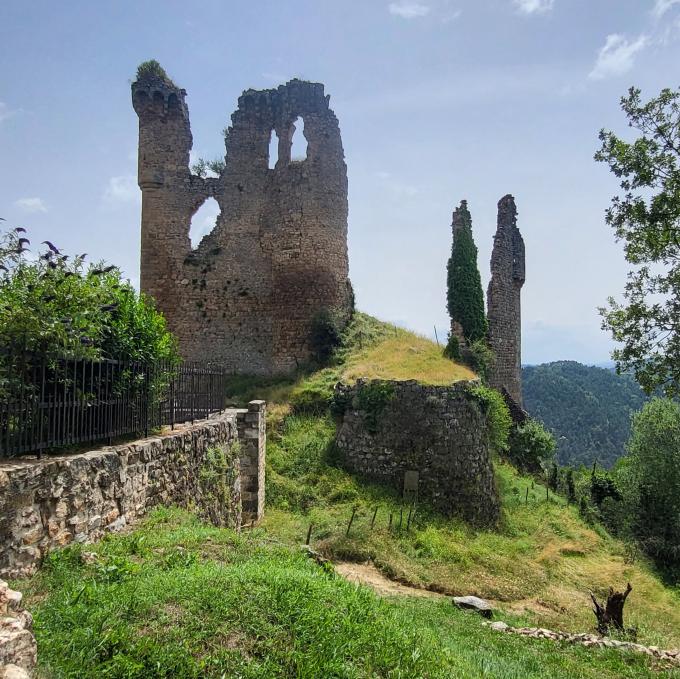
x: 252, y: 436
x: 503, y: 301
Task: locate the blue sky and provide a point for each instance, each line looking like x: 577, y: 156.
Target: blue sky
x: 438, y: 100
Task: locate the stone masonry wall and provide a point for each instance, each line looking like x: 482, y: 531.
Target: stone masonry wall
x: 18, y: 648
x: 390, y: 428
x: 51, y: 502
x: 247, y: 294
x: 503, y: 301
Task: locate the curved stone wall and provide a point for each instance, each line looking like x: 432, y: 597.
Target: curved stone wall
x: 390, y: 428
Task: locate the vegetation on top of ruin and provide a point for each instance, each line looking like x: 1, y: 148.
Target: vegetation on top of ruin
x: 203, y: 167
x: 152, y: 70
x: 179, y: 598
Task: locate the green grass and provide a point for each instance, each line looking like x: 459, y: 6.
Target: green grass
x: 177, y: 598
x: 539, y: 564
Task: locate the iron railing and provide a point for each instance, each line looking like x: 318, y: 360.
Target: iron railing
x: 48, y: 405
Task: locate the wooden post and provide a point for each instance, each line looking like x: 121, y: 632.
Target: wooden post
x: 309, y: 534
x: 411, y: 516
x: 375, y: 513
x: 389, y: 526
x: 351, y: 520
x: 526, y: 499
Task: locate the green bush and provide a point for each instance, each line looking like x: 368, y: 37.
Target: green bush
x: 452, y: 348
x: 372, y: 398
x: 497, y: 415
x: 531, y: 446
x: 479, y: 357
x: 53, y: 306
x: 152, y: 69
x: 326, y: 334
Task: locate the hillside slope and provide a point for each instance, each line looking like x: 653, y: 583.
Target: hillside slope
x: 587, y: 408
x: 540, y: 563
x: 177, y: 598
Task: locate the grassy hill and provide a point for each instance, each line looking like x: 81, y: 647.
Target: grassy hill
x: 178, y: 598
x: 587, y: 408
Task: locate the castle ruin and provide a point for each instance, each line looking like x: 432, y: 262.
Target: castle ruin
x: 247, y: 295
x: 503, y: 301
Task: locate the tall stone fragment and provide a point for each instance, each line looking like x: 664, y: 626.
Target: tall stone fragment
x: 247, y: 295
x: 503, y: 301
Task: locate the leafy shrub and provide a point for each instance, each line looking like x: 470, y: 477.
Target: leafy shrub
x: 326, y: 334
x: 531, y: 446
x: 152, y: 69
x: 201, y: 167
x: 479, y: 357
x: 452, y: 348
x: 497, y: 415
x: 372, y: 398
x: 54, y: 306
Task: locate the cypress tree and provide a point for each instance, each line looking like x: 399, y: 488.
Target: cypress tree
x: 464, y: 296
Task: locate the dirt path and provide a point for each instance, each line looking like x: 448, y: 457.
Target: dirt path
x: 368, y: 574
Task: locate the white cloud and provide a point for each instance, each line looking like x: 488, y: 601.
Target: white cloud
x: 617, y: 56
x: 122, y: 189
x: 396, y: 187
x: 5, y: 112
x: 534, y: 6
x: 662, y: 6
x: 452, y: 16
x: 31, y: 205
x: 409, y: 9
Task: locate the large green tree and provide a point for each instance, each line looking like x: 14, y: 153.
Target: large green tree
x: 653, y: 479
x: 464, y: 296
x: 646, y: 218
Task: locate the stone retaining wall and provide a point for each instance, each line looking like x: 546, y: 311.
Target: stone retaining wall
x: 18, y: 649
x: 51, y: 502
x: 440, y: 432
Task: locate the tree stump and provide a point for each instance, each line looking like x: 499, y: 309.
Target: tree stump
x: 611, y: 614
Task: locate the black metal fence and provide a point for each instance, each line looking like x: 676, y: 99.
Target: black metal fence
x: 47, y: 405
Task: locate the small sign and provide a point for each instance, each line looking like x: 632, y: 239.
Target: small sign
x: 411, y: 486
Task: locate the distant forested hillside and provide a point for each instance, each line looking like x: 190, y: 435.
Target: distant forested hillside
x: 587, y: 408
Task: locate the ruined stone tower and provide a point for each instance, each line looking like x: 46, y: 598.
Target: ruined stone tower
x: 503, y: 301
x: 246, y: 296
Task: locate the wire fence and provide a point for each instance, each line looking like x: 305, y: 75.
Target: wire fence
x: 47, y: 405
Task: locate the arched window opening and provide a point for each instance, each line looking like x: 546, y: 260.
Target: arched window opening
x: 273, y: 149
x: 298, y: 149
x: 203, y: 221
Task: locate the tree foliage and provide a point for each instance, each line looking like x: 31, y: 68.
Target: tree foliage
x: 465, y: 299
x: 587, y: 408
x: 646, y: 218
x: 654, y: 479
x: 497, y: 415
x: 55, y: 306
x: 531, y: 446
